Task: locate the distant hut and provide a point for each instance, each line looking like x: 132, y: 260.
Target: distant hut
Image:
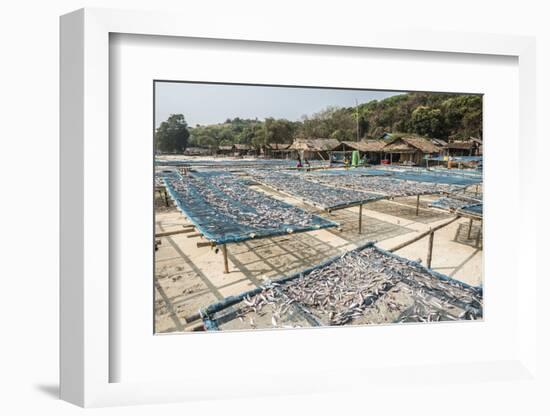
x: 314, y: 149
x: 277, y: 150
x: 470, y: 147
x: 243, y: 149
x: 226, y: 150
x: 197, y: 151
x: 409, y: 149
x: 439, y: 142
x: 369, y: 149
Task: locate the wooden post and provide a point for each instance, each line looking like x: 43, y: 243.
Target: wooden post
x: 166, y: 201
x: 225, y: 264
x: 417, y: 204
x: 360, y: 217
x: 470, y: 228
x: 430, y: 249
x: 478, y: 238
x: 477, y: 190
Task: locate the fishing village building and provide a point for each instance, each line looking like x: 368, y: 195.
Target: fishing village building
x: 314, y: 148
x: 471, y: 147
x: 277, y: 150
x: 369, y: 149
x: 409, y: 149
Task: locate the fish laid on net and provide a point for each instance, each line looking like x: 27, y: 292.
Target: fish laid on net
x: 388, y: 186
x: 452, y: 203
x: 313, y: 192
x: 362, y: 287
x: 223, y: 204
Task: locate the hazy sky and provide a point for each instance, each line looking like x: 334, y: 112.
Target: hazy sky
x: 209, y: 104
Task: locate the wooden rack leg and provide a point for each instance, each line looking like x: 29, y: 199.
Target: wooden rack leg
x: 225, y: 264
x: 166, y: 201
x: 470, y: 228
x: 417, y: 204
x: 478, y: 238
x: 430, y: 249
x: 360, y: 217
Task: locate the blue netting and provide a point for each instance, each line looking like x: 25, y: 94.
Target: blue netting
x: 353, y: 171
x: 455, y: 158
x: 436, y: 177
x: 476, y: 209
x: 225, y: 210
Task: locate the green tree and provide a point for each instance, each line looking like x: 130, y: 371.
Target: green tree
x: 172, y: 135
x: 427, y: 121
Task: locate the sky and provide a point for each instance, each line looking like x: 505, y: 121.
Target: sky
x: 215, y: 103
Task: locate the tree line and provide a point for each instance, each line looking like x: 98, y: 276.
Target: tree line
x: 435, y: 115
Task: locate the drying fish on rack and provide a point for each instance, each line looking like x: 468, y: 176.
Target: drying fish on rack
x: 312, y: 192
x: 389, y: 186
x: 454, y: 202
x: 225, y: 209
x: 364, y: 286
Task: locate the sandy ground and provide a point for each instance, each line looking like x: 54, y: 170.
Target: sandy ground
x: 188, y: 278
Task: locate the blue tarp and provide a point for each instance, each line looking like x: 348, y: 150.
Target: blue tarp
x: 225, y: 210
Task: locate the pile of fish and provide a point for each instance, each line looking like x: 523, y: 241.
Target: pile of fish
x: 361, y: 287
x: 313, y: 192
x: 235, y: 163
x: 223, y: 204
x: 388, y: 186
x: 452, y: 203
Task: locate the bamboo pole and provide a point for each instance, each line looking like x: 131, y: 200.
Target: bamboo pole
x: 205, y: 244
x: 421, y: 235
x: 478, y: 238
x: 470, y: 228
x: 360, y: 217
x: 417, y: 204
x: 194, y: 235
x: 168, y: 233
x: 166, y: 201
x: 430, y: 250
x: 225, y: 263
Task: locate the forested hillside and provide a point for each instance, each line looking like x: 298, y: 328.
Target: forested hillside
x: 433, y: 115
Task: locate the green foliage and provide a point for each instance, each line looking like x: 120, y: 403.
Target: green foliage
x: 253, y: 132
x: 172, y: 135
x: 436, y: 115
x: 427, y: 121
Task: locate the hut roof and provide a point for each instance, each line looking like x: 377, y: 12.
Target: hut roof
x: 225, y: 147
x: 439, y: 142
x: 366, y: 145
x: 465, y: 144
x: 411, y: 143
x: 316, y: 145
x: 240, y: 146
x: 278, y: 146
x: 196, y: 150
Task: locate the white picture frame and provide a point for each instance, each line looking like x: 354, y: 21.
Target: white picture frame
x: 85, y: 204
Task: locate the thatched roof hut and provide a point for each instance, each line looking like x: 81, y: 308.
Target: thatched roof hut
x: 278, y: 146
x: 314, y: 145
x: 314, y: 148
x: 411, y: 144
